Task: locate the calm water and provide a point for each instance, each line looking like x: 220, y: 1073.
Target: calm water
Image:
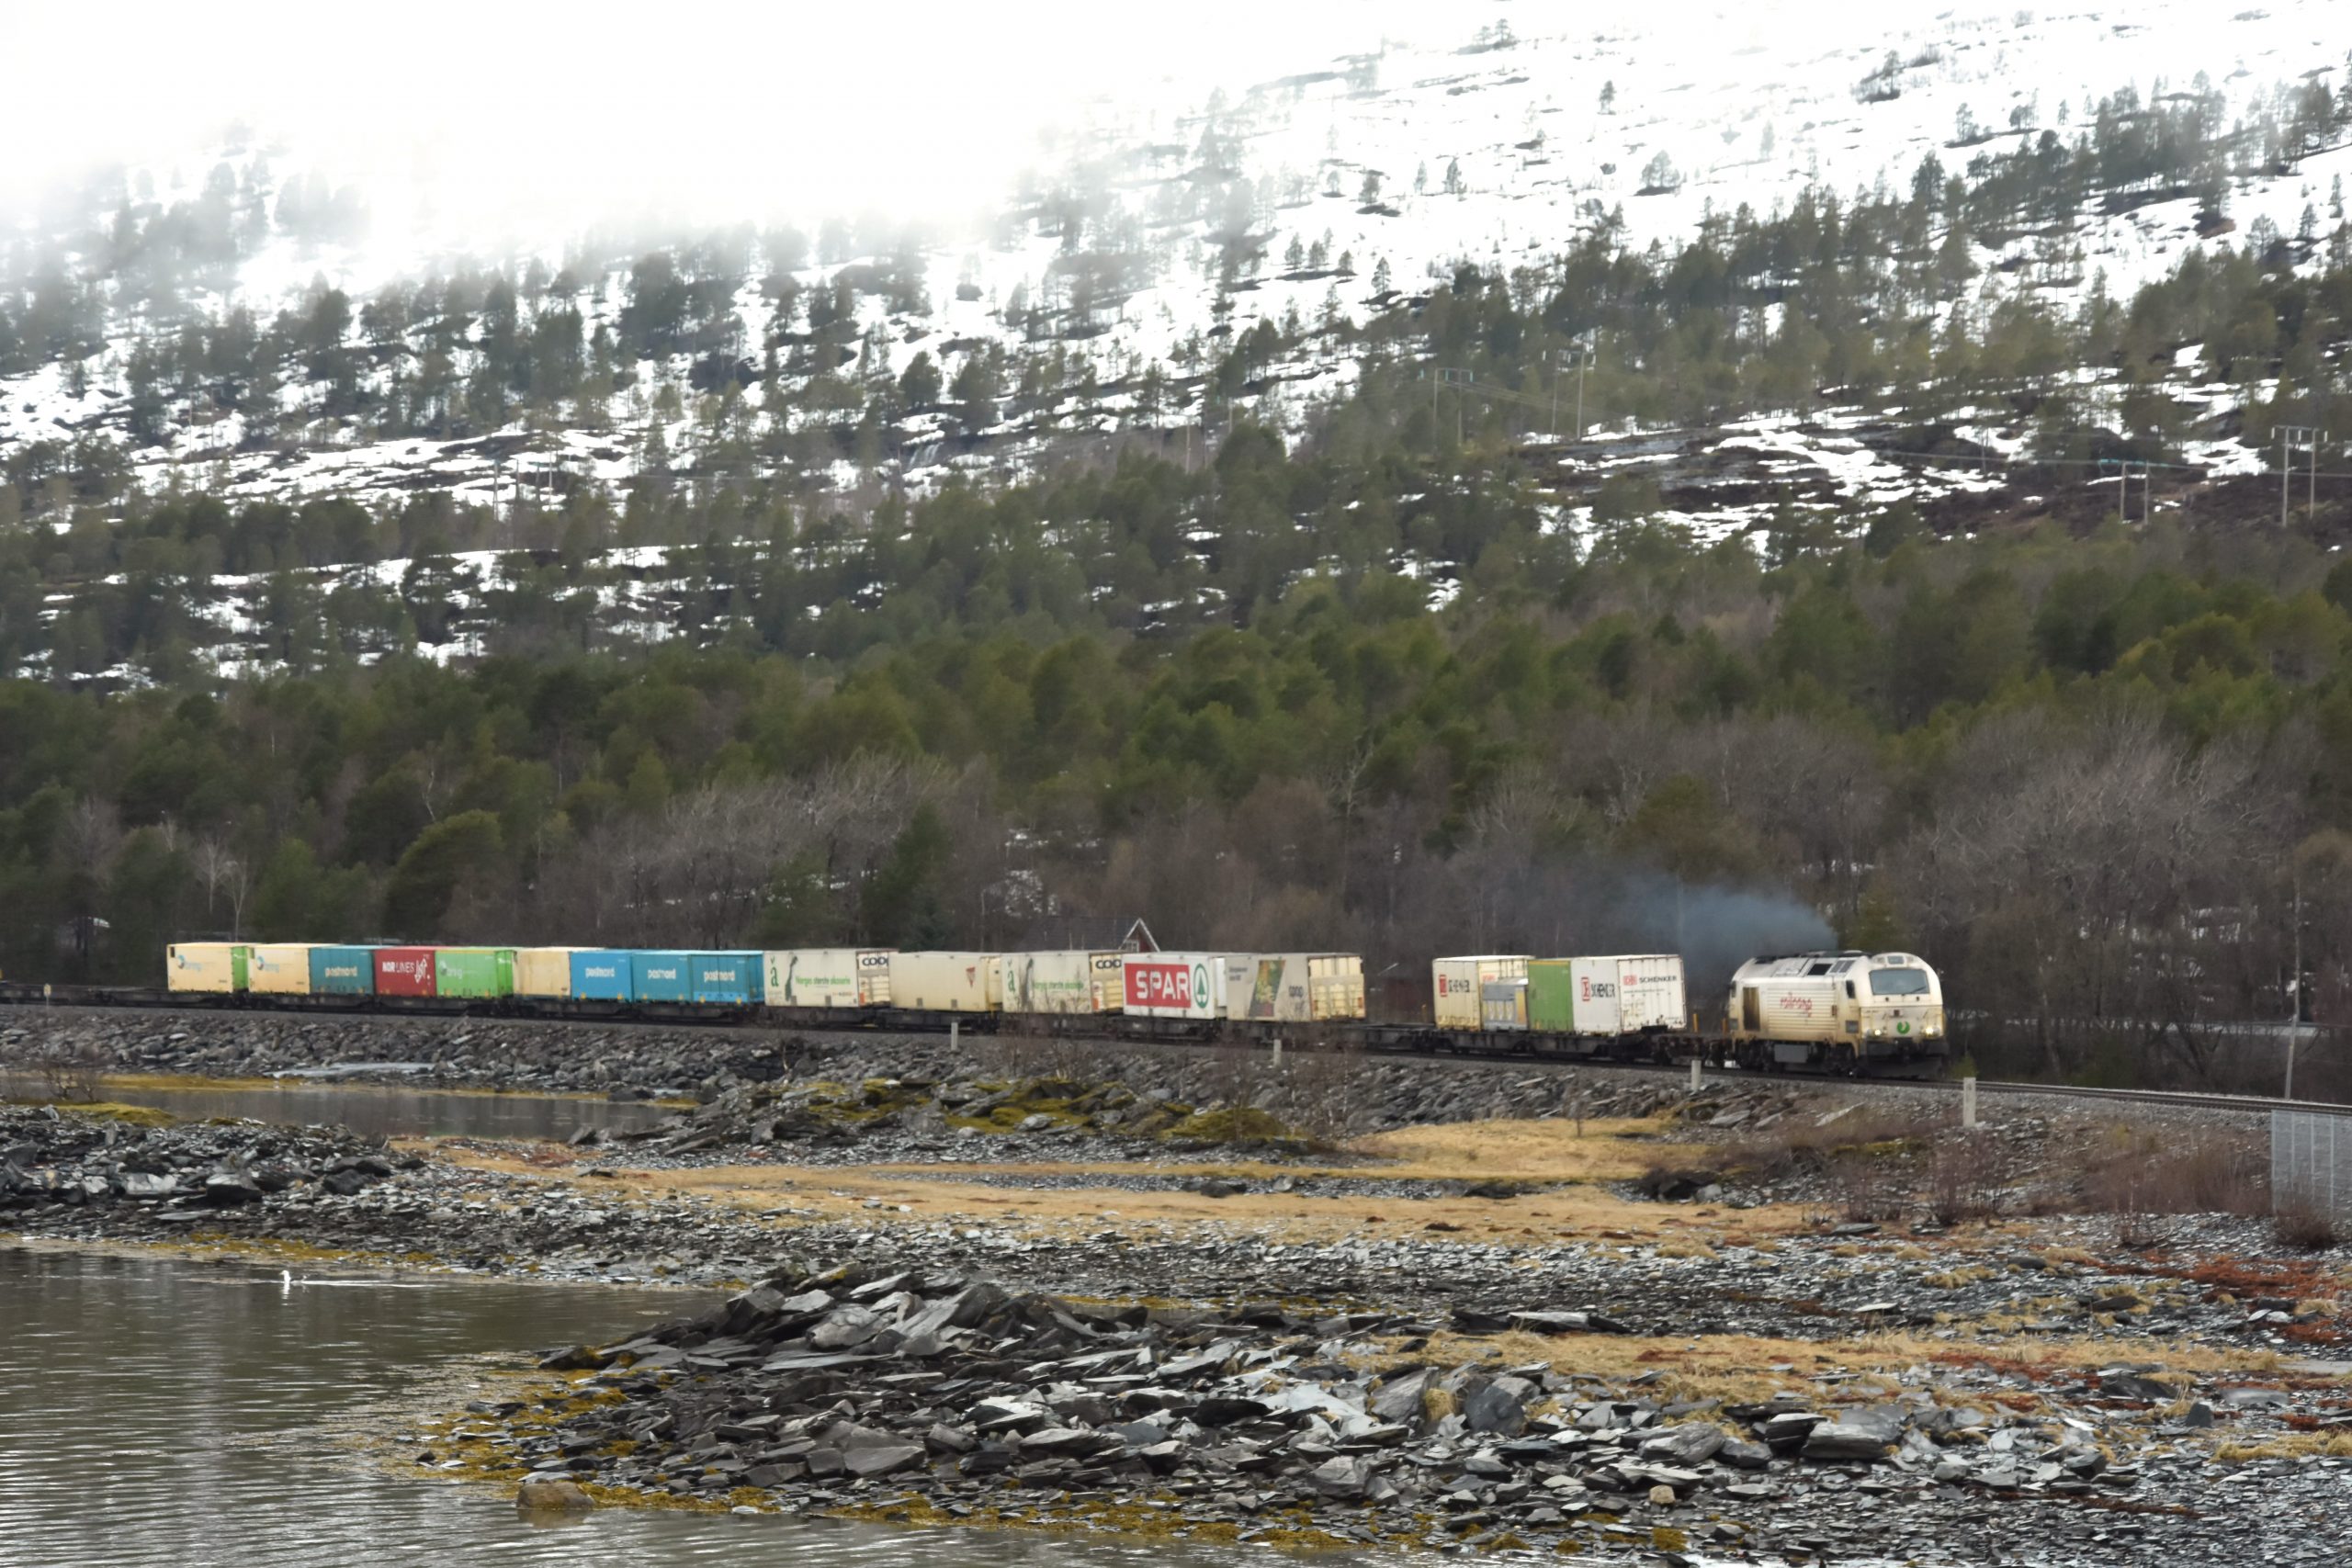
x: 392, y: 1112
x: 180, y: 1415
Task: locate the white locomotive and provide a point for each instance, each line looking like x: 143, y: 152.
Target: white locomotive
x: 1839, y: 1010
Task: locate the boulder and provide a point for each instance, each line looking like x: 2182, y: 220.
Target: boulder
x: 545, y: 1496
x: 882, y: 1460
x: 228, y: 1189
x: 1690, y: 1443
x: 1401, y: 1399
x: 1499, y: 1408
x: 1845, y: 1440
x: 1741, y: 1454
x: 1346, y: 1477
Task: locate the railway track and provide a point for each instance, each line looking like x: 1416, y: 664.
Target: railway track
x: 22, y: 994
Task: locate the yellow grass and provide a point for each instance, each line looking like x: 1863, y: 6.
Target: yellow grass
x: 831, y: 1192
x: 1735, y: 1367
x: 1613, y: 1150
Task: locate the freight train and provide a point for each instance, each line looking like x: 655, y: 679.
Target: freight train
x: 1848, y: 1012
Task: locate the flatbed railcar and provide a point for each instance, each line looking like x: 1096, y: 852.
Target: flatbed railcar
x: 1841, y: 1012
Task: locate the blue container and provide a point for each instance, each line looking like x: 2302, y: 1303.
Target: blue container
x: 662, y: 976
x: 728, y: 977
x: 602, y: 975
x: 343, y: 971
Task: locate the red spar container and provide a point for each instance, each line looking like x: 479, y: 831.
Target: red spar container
x: 404, y: 972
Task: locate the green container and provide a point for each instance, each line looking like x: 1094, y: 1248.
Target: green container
x: 473, y: 970
x: 1551, y: 997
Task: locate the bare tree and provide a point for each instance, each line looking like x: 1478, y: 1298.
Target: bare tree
x: 225, y: 878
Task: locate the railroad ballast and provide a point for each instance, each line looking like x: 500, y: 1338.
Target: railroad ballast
x: 1848, y: 1012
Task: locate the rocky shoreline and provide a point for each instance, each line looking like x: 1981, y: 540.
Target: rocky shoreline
x: 1092, y: 1323
x: 940, y: 1398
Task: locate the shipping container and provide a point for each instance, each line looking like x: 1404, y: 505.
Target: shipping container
x: 659, y: 975
x: 278, y: 969
x: 404, y: 972
x: 478, y: 971
x: 343, y: 972
x: 1173, y: 985
x: 1293, y: 987
x: 945, y: 982
x: 1059, y: 982
x: 216, y: 967
x: 729, y: 977
x: 827, y: 977
x: 602, y: 975
x: 1623, y: 995
x: 1502, y: 1005
x: 543, y: 971
x: 1460, y: 986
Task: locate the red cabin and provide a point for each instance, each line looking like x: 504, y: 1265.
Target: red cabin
x: 404, y: 972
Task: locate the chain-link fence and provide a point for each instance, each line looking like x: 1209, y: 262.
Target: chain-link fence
x: 2310, y: 1164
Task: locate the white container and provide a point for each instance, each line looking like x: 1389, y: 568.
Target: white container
x: 1627, y: 993
x: 1457, y: 986
x: 1061, y: 982
x: 1293, y: 987
x: 945, y: 982
x: 278, y: 968
x: 828, y: 976
x: 1173, y: 985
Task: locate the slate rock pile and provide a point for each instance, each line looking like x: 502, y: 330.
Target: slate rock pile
x: 1331, y: 1093
x: 889, y: 1118
x: 52, y: 1163
x: 944, y: 1396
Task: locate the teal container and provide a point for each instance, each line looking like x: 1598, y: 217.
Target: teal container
x: 729, y: 977
x: 662, y: 976
x: 343, y: 971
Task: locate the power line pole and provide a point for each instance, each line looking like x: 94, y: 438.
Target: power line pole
x: 1579, y: 353
x: 2291, y: 439
x: 1457, y: 380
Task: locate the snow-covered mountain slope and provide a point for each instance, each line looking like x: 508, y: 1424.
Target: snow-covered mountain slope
x: 1155, y: 232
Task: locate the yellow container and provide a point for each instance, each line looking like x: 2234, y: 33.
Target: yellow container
x: 543, y: 971
x: 215, y: 966
x: 280, y: 969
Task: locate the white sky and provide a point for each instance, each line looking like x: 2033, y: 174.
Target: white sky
x: 502, y: 114
x: 481, y: 125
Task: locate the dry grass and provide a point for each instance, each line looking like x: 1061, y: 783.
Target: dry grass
x: 843, y: 1191
x: 1611, y: 1150
x: 2140, y: 1171
x: 2304, y: 1229
x: 1966, y: 1179
x: 2288, y: 1445
x: 1736, y: 1367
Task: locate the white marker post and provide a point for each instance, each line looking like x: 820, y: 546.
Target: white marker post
x: 1968, y: 1103
x: 954, y: 1031
x: 1694, y: 1075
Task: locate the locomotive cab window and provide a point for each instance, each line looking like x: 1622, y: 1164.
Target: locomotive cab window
x: 1899, y: 982
x: 1849, y: 990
